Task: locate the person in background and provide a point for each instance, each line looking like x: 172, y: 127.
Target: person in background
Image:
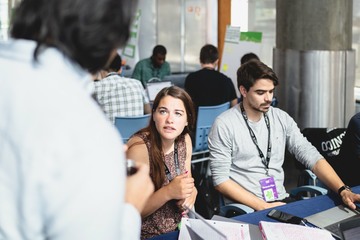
x: 247, y: 57
x: 62, y: 164
x: 154, y: 68
x: 350, y: 153
x: 252, y: 56
x: 207, y: 86
x: 120, y: 96
x: 247, y: 146
x: 165, y: 146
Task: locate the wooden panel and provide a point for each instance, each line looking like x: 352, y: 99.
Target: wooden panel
x: 224, y: 19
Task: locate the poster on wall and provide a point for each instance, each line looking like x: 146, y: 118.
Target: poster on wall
x: 237, y: 44
x: 130, y: 53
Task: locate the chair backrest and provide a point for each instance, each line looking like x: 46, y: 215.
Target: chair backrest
x: 328, y: 143
x: 127, y: 126
x: 205, y: 119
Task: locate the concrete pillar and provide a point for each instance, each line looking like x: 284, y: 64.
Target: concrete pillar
x: 314, y: 61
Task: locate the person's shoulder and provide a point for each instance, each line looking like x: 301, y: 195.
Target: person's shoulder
x: 279, y: 114
x: 225, y: 77
x: 136, y: 142
x: 142, y: 62
x: 193, y: 75
x: 132, y: 81
x: 356, y: 118
x: 229, y: 114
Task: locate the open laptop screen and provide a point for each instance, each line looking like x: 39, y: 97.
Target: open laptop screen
x: 153, y: 88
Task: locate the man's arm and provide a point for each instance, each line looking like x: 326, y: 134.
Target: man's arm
x: 328, y: 176
x: 137, y: 72
x: 238, y: 194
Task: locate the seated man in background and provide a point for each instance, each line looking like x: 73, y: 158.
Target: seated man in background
x: 247, y: 146
x: 350, y: 153
x: 152, y: 68
x: 207, y: 86
x: 120, y: 96
x: 248, y: 57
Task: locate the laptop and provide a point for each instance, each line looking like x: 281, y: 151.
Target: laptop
x: 330, y: 219
x: 350, y: 229
x: 153, y: 88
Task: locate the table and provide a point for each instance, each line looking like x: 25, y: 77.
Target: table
x: 302, y: 208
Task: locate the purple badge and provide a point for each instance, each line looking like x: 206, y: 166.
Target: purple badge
x: 268, y: 189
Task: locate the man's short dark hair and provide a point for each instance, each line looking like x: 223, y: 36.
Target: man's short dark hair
x: 115, y: 64
x: 86, y: 31
x: 253, y: 70
x: 159, y: 49
x: 209, y: 54
x: 248, y: 56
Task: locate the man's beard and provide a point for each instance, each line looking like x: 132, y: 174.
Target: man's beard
x: 259, y: 109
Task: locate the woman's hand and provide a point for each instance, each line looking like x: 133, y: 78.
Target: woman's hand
x: 180, y: 187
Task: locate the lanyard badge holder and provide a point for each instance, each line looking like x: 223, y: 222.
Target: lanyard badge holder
x: 268, y: 186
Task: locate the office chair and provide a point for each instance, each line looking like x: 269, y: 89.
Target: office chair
x: 205, y: 118
x: 207, y: 200
x: 127, y: 126
x: 232, y: 209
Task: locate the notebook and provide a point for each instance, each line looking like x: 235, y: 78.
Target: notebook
x: 153, y: 88
x: 287, y: 231
x: 331, y: 218
x: 203, y: 229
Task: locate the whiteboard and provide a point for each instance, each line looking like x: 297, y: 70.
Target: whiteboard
x: 235, y: 48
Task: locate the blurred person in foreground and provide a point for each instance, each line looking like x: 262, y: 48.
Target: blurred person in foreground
x: 62, y: 163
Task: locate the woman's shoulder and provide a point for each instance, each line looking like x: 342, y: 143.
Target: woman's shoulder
x: 138, y: 139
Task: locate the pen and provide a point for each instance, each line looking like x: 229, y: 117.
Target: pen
x: 309, y: 224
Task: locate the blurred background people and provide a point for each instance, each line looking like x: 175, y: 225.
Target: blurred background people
x: 247, y: 57
x: 154, y: 68
x: 208, y: 86
x: 120, y: 96
x: 350, y: 153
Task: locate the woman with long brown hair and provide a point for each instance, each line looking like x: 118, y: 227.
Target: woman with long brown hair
x: 165, y: 145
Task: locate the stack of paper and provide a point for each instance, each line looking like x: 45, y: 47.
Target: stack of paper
x: 285, y: 231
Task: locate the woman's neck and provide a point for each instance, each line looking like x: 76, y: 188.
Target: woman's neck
x: 167, y: 146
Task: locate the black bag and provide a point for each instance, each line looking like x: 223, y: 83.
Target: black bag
x: 207, y: 200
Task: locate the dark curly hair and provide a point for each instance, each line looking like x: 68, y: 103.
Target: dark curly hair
x: 86, y: 31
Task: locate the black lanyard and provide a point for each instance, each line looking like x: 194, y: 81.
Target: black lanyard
x: 253, y: 137
x: 176, y: 160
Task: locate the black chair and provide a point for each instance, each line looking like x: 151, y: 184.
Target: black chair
x: 328, y: 143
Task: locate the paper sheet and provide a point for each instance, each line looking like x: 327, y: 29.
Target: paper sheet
x: 285, y: 231
x: 197, y: 229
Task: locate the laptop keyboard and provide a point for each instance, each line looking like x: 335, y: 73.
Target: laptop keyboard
x: 334, y: 228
